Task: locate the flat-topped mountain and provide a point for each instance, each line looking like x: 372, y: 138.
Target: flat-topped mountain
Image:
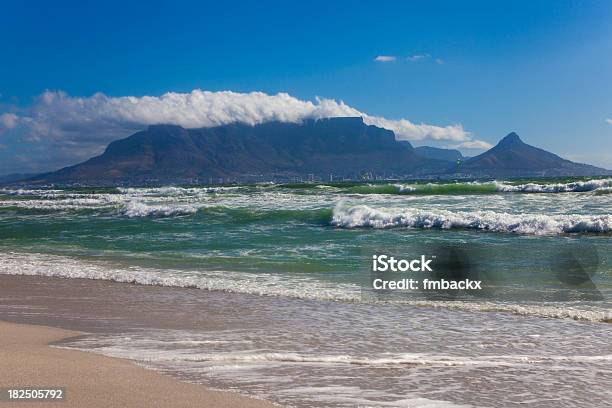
x: 511, y: 157
x: 344, y: 147
x: 437, y: 153
x: 336, y: 147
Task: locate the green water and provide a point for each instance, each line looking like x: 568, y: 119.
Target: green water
x: 325, y: 232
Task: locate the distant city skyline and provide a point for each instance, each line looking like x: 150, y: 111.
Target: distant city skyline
x: 75, y: 76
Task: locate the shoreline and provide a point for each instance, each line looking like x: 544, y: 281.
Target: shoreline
x: 92, y: 380
x: 241, y: 343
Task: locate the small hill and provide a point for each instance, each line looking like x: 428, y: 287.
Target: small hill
x: 511, y: 157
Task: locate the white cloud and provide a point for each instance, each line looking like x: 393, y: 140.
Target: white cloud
x: 385, y: 58
x: 472, y: 144
x: 69, y: 129
x: 57, y: 115
x: 609, y: 121
x: 419, y: 57
x: 8, y: 121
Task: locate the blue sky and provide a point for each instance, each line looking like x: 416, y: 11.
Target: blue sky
x: 540, y: 68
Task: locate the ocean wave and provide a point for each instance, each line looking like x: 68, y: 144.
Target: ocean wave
x: 424, y: 189
x: 24, y: 191
x: 599, y: 186
x: 135, y: 209
x: 476, y: 187
x: 603, y: 190
x: 389, y: 359
x: 64, y: 204
x: 554, y: 311
x: 249, y: 214
x: 153, y: 348
x: 300, y: 287
x: 262, y: 284
x: 362, y: 216
x: 171, y: 191
x: 574, y: 187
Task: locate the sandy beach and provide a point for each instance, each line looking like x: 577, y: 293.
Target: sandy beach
x: 145, y: 345
x: 92, y: 380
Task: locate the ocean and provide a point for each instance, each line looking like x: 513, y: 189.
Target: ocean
x: 284, y: 271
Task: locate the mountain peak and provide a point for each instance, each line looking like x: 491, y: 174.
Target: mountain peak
x: 511, y: 138
x: 512, y: 157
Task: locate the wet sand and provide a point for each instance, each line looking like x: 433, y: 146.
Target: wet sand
x: 90, y: 380
x: 295, y: 352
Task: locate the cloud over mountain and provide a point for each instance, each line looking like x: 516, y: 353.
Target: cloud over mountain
x: 67, y: 122
x: 471, y: 144
x: 57, y: 115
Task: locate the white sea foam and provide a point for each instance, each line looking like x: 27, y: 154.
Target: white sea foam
x: 140, y: 209
x: 153, y: 346
x: 405, y: 189
x: 36, y: 264
x: 577, y: 186
x: 539, y: 224
x: 604, y: 190
x: 24, y: 191
x: 556, y: 311
x: 171, y: 190
x: 387, y: 359
x: 63, y: 204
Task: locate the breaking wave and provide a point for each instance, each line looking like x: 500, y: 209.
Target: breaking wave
x: 363, y: 216
x: 139, y: 209
x: 574, y: 187
x: 425, y: 189
x: 262, y: 284
x: 475, y: 187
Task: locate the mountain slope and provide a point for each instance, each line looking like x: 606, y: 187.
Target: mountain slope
x: 437, y: 153
x: 340, y: 146
x: 13, y: 177
x: 512, y: 157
